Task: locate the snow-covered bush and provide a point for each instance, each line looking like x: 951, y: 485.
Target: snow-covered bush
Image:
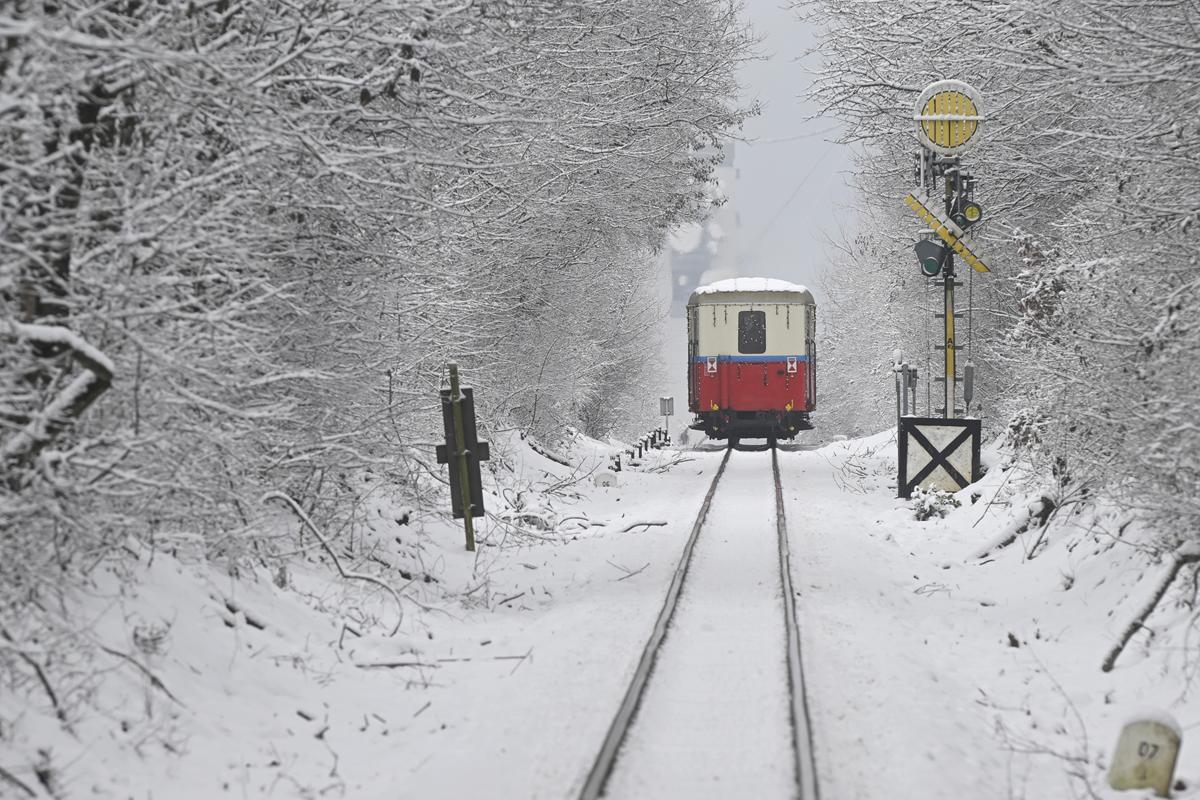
x: 930, y: 503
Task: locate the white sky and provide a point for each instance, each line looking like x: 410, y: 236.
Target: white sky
x: 787, y: 154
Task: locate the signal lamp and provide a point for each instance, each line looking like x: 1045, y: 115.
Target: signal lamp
x: 932, y: 255
x: 968, y: 215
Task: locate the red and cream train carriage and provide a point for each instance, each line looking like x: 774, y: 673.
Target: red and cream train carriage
x: 752, y: 353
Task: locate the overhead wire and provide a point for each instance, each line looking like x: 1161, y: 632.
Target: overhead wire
x: 797, y: 137
x: 795, y: 192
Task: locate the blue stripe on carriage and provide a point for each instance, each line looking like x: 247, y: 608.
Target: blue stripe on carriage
x: 745, y: 359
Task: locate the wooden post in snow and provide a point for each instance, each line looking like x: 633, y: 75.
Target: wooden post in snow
x: 460, y: 456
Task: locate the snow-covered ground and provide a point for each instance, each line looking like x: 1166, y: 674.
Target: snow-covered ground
x: 939, y: 664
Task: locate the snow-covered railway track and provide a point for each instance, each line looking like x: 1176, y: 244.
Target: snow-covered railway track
x: 717, y: 708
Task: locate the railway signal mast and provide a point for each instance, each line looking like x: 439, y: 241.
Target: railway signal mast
x: 949, y: 120
x: 943, y: 452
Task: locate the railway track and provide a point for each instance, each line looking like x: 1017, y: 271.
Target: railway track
x: 716, y: 706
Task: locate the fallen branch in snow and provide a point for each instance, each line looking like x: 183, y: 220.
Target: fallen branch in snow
x: 44, y: 426
x: 528, y: 654
x: 358, y: 576
x: 1011, y: 471
x: 1019, y: 524
x: 154, y: 680
x: 41, y: 676
x: 850, y: 476
x: 396, y: 665
x: 930, y: 589
x: 674, y: 462
x: 633, y: 525
x: 1024, y: 741
x: 1188, y: 554
x: 510, y: 599
x: 519, y: 529
x: 347, y: 629
x: 545, y: 453
x: 485, y: 658
x: 629, y: 573
x: 15, y: 781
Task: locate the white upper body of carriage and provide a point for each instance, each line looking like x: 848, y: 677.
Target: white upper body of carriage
x: 751, y: 319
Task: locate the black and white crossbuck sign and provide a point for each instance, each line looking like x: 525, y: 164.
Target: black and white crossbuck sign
x: 937, y: 453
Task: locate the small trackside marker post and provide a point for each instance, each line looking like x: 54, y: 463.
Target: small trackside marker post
x: 1145, y: 756
x: 666, y: 408
x: 462, y: 452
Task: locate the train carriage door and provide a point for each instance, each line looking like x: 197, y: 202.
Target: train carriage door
x: 810, y: 350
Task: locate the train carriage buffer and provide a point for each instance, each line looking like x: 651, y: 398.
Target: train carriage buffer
x: 937, y: 453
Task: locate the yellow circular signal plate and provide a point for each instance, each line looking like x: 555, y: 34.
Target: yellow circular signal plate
x: 948, y: 116
x: 941, y: 119
x: 972, y: 212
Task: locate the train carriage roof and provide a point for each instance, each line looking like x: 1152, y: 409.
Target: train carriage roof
x: 751, y: 290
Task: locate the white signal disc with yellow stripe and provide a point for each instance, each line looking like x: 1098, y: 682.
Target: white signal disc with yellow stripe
x: 948, y: 117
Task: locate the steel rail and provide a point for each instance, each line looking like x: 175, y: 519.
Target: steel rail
x: 802, y: 750
x: 593, y: 787
x: 802, y: 746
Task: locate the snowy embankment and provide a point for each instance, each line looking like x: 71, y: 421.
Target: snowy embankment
x: 961, y: 657
x: 941, y: 662
x: 286, y: 683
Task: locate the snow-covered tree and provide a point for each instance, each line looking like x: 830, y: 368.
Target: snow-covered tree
x: 1088, y: 173
x: 239, y: 241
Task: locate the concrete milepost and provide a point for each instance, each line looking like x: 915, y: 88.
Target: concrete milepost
x: 1146, y: 752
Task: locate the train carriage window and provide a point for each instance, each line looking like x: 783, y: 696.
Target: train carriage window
x: 752, y: 332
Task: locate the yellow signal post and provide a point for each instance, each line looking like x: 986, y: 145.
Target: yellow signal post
x: 951, y: 370
x: 951, y: 234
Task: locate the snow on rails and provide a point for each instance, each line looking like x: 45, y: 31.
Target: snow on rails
x: 716, y: 706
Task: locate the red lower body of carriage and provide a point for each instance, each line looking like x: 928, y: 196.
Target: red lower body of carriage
x: 765, y: 396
